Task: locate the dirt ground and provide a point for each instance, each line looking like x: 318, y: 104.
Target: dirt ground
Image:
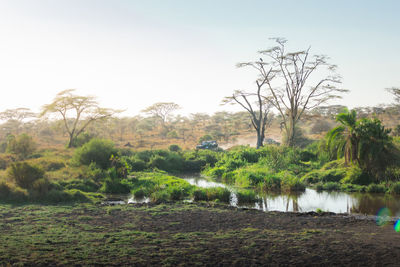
x: 186, y: 234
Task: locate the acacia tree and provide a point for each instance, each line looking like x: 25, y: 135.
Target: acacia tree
x: 162, y: 111
x: 292, y: 92
x: 15, y: 117
x: 76, y: 111
x: 260, y: 108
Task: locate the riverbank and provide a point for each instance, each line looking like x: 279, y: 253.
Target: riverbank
x: 189, y: 234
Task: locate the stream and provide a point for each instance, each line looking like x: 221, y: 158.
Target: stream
x: 309, y: 200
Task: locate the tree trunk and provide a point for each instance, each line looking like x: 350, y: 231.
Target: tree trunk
x: 260, y: 138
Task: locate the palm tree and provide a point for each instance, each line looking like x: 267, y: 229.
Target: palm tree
x: 343, y: 139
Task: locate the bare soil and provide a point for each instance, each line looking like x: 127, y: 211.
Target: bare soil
x: 203, y: 234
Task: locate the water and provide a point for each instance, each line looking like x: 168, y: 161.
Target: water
x: 311, y: 200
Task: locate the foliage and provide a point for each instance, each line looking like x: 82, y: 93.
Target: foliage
x: 22, y: 146
x: 376, y: 188
x: 174, y: 148
x: 246, y: 196
x: 363, y: 142
x: 24, y: 174
x: 81, y: 139
x: 85, y: 108
x: 211, y: 194
x: 395, y: 188
x: 98, y: 151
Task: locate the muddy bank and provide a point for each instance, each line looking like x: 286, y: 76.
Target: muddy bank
x: 190, y: 234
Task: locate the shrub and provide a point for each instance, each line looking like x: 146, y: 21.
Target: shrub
x: 85, y: 185
x: 193, y: 165
x: 307, y: 156
x: 59, y: 196
x: 49, y: 164
x: 395, y: 188
x: 174, y: 148
x: 331, y: 186
x: 246, y: 196
x: 6, y: 160
x: 290, y: 183
x: 212, y: 193
x: 352, y: 188
x: 200, y: 195
x: 177, y: 193
x: 311, y: 177
x: 161, y: 196
x: 22, y: 146
x: 216, y: 172
x: 170, y: 162
x: 376, y: 188
x: 24, y: 174
x: 40, y: 188
x: 355, y: 175
x: 81, y: 139
x: 97, y: 151
x: 272, y: 183
x: 113, y: 183
x: 136, y: 164
x: 10, y: 193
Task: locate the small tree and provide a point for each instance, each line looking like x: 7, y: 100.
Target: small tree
x: 84, y: 109
x: 364, y: 142
x: 255, y: 103
x: 162, y: 111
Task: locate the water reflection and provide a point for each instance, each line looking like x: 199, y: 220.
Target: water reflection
x: 311, y: 200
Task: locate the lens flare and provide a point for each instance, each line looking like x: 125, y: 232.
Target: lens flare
x: 397, y: 226
x: 383, y: 216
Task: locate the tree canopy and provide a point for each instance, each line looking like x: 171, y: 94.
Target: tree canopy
x: 77, y: 112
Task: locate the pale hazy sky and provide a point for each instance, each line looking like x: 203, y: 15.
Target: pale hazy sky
x: 131, y: 54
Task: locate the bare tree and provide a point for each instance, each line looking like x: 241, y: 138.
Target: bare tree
x: 395, y: 91
x: 260, y: 108
x: 84, y: 109
x: 292, y: 92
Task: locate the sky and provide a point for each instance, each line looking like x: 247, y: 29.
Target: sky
x: 133, y: 53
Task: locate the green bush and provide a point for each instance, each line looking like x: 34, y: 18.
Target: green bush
x: 178, y: 193
x: 376, y: 188
x: 81, y: 139
x: 9, y: 193
x: 216, y: 172
x: 59, y: 196
x: 212, y: 193
x: 170, y: 162
x: 136, y: 164
x: 98, y: 151
x: 24, y: 174
x: 355, y: 175
x: 160, y: 196
x: 174, y: 148
x: 6, y: 160
x: 395, y: 188
x: 290, y: 183
x: 353, y: 188
x: 49, y: 163
x: 40, y: 188
x: 200, y: 195
x: 246, y: 196
x: 22, y: 146
x: 331, y: 186
x: 272, y: 183
x: 85, y: 185
x: 312, y: 177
